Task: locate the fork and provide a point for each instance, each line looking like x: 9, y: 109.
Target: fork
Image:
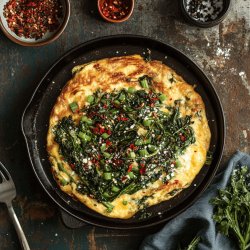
x: 7, y: 194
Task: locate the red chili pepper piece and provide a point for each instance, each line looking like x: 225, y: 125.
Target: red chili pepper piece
x: 182, y: 137
x: 108, y: 143
x: 102, y: 130
x: 132, y: 146
x: 124, y: 178
x: 130, y: 168
x: 142, y: 170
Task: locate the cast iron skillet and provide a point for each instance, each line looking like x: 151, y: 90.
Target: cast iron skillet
x: 36, y: 117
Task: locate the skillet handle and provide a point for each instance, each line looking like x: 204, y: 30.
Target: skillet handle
x: 70, y: 221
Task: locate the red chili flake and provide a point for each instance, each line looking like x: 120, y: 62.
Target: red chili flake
x: 121, y: 118
x: 108, y: 132
x: 182, y: 137
x: 108, y: 143
x: 142, y: 170
x: 132, y: 146
x: 130, y: 168
x: 96, y: 130
x: 32, y: 19
x: 102, y: 130
x: 176, y: 181
x: 116, y: 9
x: 95, y: 161
x: 124, y: 178
x: 105, y: 105
x: 73, y: 166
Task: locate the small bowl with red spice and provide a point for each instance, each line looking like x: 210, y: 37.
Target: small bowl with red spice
x: 115, y: 11
x: 34, y: 22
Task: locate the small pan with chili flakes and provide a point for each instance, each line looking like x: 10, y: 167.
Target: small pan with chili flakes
x: 34, y: 23
x: 115, y: 11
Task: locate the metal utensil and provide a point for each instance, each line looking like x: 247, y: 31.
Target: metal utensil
x: 7, y: 194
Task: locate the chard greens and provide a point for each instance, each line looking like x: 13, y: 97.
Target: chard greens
x: 123, y: 141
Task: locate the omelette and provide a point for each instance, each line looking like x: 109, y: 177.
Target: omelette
x: 126, y: 133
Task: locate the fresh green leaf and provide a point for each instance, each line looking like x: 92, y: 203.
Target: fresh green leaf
x: 232, y: 208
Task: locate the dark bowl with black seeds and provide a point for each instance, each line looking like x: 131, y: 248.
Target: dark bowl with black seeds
x: 205, y: 13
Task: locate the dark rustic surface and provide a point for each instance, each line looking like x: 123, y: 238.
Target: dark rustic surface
x: 222, y: 51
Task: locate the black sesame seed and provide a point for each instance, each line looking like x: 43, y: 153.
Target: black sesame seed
x: 204, y: 10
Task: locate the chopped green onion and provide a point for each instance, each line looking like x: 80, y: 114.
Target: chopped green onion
x: 90, y: 99
x: 73, y: 106
x: 103, y: 147
x: 132, y: 155
x: 116, y: 102
x: 138, y: 142
x: 147, y: 141
x: 115, y: 189
x: 63, y: 182
x: 107, y: 176
x: 162, y: 97
x: 131, y: 90
x: 106, y: 155
x: 114, y: 111
x: 152, y: 148
x: 106, y: 195
x: 124, y: 202
x: 143, y: 152
x: 105, y: 135
x: 131, y: 175
x: 144, y: 82
x: 84, y: 137
x: 178, y: 164
x: 147, y: 123
x: 108, y: 205
x: 122, y: 97
x: 60, y: 166
x: 87, y: 120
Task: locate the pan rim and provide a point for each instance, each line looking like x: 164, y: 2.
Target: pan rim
x: 220, y: 113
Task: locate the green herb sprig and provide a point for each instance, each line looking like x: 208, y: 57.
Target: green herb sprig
x: 232, y: 208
